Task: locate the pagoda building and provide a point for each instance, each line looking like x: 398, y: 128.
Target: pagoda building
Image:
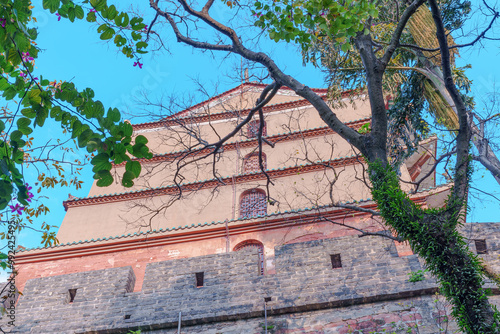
x: 191, y: 201
x: 225, y: 202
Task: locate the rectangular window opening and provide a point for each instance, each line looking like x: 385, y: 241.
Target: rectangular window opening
x: 336, y: 261
x: 481, y: 246
x: 199, y: 279
x: 267, y: 299
x: 127, y: 316
x: 72, y: 294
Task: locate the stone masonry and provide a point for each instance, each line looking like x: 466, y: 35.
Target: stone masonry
x: 369, y: 293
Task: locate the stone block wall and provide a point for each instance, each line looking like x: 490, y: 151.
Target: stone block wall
x: 306, y: 295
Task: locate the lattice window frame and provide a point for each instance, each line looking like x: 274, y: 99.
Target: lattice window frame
x: 253, y: 129
x: 251, y: 162
x: 253, y: 203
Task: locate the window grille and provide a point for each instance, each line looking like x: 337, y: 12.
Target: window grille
x: 253, y: 203
x: 250, y: 244
x: 251, y: 163
x: 253, y: 129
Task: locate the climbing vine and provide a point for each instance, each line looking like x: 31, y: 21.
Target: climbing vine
x: 433, y: 235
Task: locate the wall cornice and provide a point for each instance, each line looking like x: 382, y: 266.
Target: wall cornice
x: 206, y: 230
x: 195, y: 233
x: 217, y: 116
x: 242, y: 178
x: 282, y: 137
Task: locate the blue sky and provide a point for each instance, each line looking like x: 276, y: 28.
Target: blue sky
x: 73, y: 52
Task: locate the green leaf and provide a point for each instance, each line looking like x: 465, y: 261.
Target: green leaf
x: 140, y: 139
x: 16, y: 135
x: 119, y: 148
x: 23, y: 125
x: 23, y: 122
x: 141, y: 45
x: 93, y: 144
x: 98, y: 109
x: 127, y: 179
x: 80, y: 14
x: 14, y: 57
x: 63, y: 11
x: 114, y: 115
x: 84, y: 137
x: 107, y: 34
x: 120, y: 40
x: 134, y: 167
x: 71, y: 14
x: 4, y: 202
x: 54, y: 113
x: 9, y: 93
x: 91, y: 17
x: 128, y: 130
x: 34, y: 96
x: 136, y: 36
x: 76, y: 129
x: 22, y: 42
x: 104, y: 178
x: 51, y: 5
x: 17, y: 156
x: 98, y: 4
x: 89, y: 93
x: 101, y: 162
x: 136, y: 23
x: 2, y: 125
x: 41, y: 116
x: 4, y: 84
x: 122, y: 20
x: 6, y: 187
x: 128, y: 52
x: 111, y: 12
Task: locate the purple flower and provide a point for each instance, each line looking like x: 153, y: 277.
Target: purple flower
x: 22, y: 74
x: 93, y: 10
x: 26, y: 57
x: 146, y: 27
x: 2, y: 22
x: 138, y: 64
x: 16, y: 209
x: 28, y: 188
x: 58, y: 17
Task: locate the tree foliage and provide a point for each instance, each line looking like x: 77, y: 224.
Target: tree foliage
x: 101, y: 132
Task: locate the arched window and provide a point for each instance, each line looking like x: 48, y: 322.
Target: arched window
x: 251, y: 162
x: 253, y: 244
x: 253, y: 203
x: 253, y: 129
